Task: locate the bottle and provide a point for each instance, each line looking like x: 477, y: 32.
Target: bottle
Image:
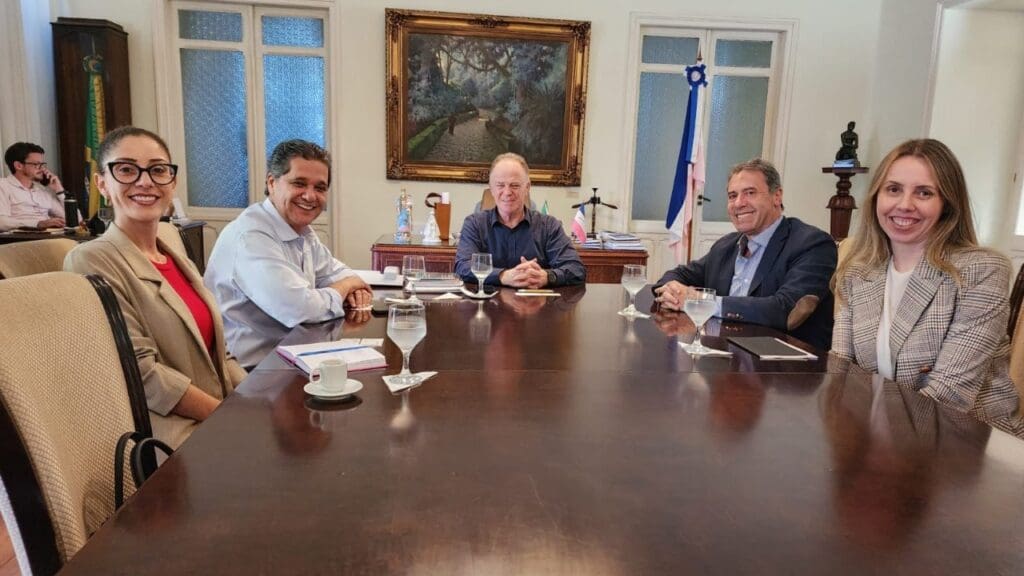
x: 403, y: 224
x: 70, y: 211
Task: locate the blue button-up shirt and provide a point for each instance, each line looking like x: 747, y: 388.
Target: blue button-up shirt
x: 744, y: 269
x: 537, y: 236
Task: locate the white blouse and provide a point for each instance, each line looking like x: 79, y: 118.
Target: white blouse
x: 895, y: 286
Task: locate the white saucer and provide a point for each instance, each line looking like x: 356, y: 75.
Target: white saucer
x: 314, y: 389
x: 475, y: 296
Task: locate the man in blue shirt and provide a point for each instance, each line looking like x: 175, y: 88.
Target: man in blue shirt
x: 773, y: 270
x: 528, y: 249
x: 268, y: 270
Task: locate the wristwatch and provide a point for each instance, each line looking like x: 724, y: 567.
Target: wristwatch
x: 551, y: 277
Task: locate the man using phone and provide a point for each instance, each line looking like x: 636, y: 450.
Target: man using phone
x: 31, y: 196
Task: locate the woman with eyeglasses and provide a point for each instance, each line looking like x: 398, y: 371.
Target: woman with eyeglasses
x: 173, y: 320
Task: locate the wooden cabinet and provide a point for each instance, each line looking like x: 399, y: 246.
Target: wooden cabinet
x: 75, y: 40
x: 603, y: 266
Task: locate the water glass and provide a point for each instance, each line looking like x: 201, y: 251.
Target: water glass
x: 481, y: 268
x: 634, y: 278
x: 407, y: 325
x: 413, y: 268
x: 699, y: 305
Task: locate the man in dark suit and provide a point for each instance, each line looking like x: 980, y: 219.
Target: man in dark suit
x: 773, y: 270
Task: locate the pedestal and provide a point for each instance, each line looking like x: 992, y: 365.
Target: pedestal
x: 842, y: 204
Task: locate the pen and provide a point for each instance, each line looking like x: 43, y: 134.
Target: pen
x: 317, y: 352
x: 535, y: 291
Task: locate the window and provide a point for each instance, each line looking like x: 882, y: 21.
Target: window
x: 739, y: 111
x: 244, y: 79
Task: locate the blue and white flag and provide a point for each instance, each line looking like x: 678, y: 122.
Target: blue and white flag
x: 689, y: 176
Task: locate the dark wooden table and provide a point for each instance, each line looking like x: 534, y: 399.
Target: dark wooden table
x: 603, y: 266
x: 560, y: 438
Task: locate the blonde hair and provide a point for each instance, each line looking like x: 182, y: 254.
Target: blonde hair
x: 954, y: 230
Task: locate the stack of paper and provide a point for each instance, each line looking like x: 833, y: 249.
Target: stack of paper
x: 621, y: 241
x: 434, y: 283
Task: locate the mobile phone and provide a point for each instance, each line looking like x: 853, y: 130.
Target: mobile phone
x: 45, y: 179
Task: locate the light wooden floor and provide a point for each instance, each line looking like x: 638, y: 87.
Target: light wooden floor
x: 8, y: 564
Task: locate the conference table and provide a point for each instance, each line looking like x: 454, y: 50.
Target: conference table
x: 558, y: 437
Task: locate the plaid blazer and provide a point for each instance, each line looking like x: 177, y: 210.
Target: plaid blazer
x: 948, y: 340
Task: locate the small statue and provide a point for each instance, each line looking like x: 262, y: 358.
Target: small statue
x: 847, y: 154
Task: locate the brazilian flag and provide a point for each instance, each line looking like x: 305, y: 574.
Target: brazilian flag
x: 95, y: 126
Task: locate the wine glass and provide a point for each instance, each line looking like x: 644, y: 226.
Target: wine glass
x: 699, y: 305
x: 634, y: 278
x: 407, y: 325
x: 106, y: 214
x: 482, y: 268
x: 413, y: 268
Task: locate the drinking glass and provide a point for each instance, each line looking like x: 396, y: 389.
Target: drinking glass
x: 482, y: 268
x: 106, y: 214
x: 634, y: 278
x: 413, y: 268
x: 407, y: 325
x: 699, y: 305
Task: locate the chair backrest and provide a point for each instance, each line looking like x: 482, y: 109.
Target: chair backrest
x: 69, y: 388
x: 34, y: 257
x: 1016, y: 295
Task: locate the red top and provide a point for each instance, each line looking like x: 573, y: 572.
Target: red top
x: 200, y: 311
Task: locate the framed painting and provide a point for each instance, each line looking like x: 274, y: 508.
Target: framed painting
x: 463, y: 88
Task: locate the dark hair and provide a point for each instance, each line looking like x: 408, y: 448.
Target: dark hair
x: 19, y: 151
x: 771, y: 175
x: 280, y: 161
x: 117, y: 134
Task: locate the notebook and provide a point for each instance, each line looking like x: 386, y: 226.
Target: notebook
x: 768, y: 348
x: 358, y: 354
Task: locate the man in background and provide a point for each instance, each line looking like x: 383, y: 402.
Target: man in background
x: 268, y: 270
x: 528, y: 249
x: 32, y: 195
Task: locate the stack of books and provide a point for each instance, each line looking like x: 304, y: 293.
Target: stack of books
x: 591, y: 244
x: 621, y: 241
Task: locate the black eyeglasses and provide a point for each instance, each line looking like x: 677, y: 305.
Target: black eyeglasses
x: 36, y: 164
x: 129, y: 172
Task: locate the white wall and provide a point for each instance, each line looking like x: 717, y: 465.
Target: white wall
x: 978, y: 108
x: 837, y: 79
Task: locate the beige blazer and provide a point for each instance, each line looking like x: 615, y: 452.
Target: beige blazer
x: 168, y: 345
x: 949, y: 341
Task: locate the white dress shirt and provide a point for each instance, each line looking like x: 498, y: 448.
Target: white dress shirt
x: 267, y: 279
x: 21, y: 206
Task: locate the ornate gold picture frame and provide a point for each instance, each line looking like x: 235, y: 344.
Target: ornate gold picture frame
x: 462, y: 88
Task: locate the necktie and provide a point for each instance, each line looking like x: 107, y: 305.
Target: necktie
x: 744, y: 247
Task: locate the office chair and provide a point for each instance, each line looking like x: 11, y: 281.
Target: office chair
x: 34, y: 257
x: 69, y: 390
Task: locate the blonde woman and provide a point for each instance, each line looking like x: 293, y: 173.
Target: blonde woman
x: 919, y: 302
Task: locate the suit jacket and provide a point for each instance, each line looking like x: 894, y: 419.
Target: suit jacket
x: 948, y: 340
x: 168, y: 346
x: 798, y: 262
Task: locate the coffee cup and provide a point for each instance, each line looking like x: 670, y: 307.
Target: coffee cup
x: 333, y: 375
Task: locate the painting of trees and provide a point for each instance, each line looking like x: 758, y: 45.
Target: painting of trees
x: 467, y: 88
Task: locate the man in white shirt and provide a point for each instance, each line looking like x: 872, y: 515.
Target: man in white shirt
x: 31, y: 195
x: 268, y: 270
